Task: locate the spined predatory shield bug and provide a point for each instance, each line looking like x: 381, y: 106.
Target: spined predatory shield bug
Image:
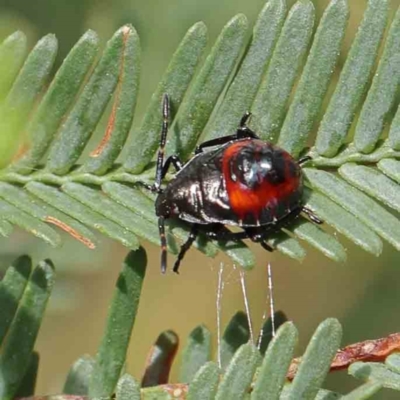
x: 242, y: 181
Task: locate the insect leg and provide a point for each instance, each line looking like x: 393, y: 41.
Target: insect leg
x: 215, y: 142
x: 244, y: 119
x: 242, y: 132
x: 258, y: 235
x: 314, y: 218
x: 304, y: 159
x: 266, y: 246
x: 221, y: 234
x: 175, y: 161
x: 185, y: 247
x: 163, y: 240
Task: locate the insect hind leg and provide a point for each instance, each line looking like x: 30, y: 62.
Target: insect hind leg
x: 185, y: 247
x: 221, y: 234
x: 313, y: 217
x: 259, y: 235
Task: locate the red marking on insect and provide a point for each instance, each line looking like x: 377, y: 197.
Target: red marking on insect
x: 265, y: 193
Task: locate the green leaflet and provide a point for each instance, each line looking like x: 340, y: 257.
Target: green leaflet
x: 12, y: 287
x: 20, y: 218
x: 376, y: 373
x: 272, y: 374
x: 243, y: 89
x: 353, y: 80
x: 360, y: 205
x: 372, y: 182
x: 27, y: 386
x: 205, y: 382
x: 326, y: 243
x: 79, y: 375
x: 79, y: 211
x: 315, y: 78
x: 12, y: 55
x: 22, y: 95
x: 88, y: 108
x: 269, y: 106
x: 391, y: 168
x: 207, y: 86
x: 121, y: 116
x: 363, y: 392
x: 239, y: 373
x: 344, y: 222
x: 236, y: 334
x: 95, y: 200
x: 59, y: 97
x: 381, y: 96
x: 195, y: 354
x: 316, y: 361
x: 144, y: 141
x: 112, y: 351
x: 127, y: 389
x: 16, y: 351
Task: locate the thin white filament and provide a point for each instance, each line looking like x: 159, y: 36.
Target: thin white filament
x: 246, y: 304
x: 270, y: 300
x: 220, y: 288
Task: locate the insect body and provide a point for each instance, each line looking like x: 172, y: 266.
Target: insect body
x: 246, y: 182
x: 243, y: 181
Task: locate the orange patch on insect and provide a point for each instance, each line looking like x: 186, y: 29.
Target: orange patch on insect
x: 245, y: 200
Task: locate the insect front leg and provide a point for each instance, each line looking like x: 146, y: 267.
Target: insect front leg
x: 175, y: 161
x: 242, y: 132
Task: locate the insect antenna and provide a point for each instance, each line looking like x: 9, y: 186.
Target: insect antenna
x: 163, y: 139
x: 161, y: 229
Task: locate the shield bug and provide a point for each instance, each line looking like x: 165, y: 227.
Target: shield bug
x: 242, y: 181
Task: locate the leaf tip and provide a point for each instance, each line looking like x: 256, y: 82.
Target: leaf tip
x: 17, y: 36
x: 239, y: 20
x: 91, y: 36
x: 199, y: 27
x: 49, y: 40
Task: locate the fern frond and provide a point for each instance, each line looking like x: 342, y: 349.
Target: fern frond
x: 244, y: 372
x: 54, y: 176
